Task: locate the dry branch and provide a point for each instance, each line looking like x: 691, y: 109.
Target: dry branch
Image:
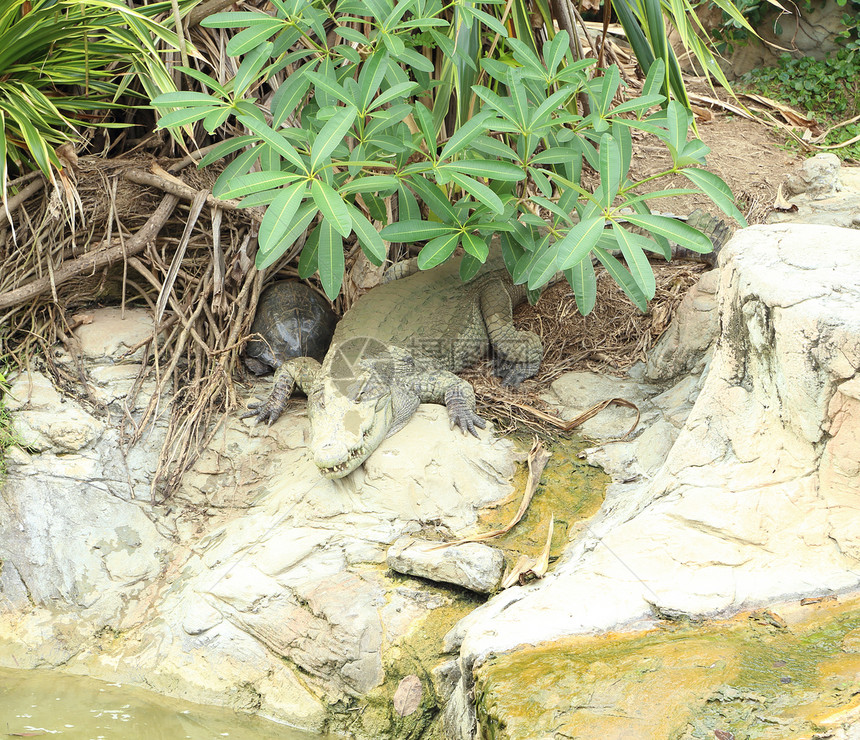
x: 95, y: 259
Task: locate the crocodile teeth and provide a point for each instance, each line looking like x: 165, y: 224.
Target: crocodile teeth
x: 340, y: 467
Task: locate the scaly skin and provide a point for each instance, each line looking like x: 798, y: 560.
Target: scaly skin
x: 397, y: 347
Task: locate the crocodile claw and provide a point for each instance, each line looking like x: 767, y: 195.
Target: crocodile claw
x: 267, y: 411
x: 512, y: 373
x: 467, y: 420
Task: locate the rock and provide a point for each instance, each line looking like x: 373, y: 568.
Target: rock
x: 471, y: 565
x: 261, y: 586
x: 818, y: 177
x: 757, y: 499
x: 822, y: 193
x: 43, y: 420
x: 112, y: 332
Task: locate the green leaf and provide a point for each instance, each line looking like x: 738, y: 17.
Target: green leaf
x: 631, y: 246
x: 308, y: 262
x: 266, y: 257
x: 369, y: 184
x: 323, y: 84
x: 675, y: 230
x: 250, y: 68
x: 716, y: 190
x: 476, y: 246
x: 465, y: 134
x: 184, y: 99
x: 677, y: 119
x: 438, y: 250
x: 369, y: 238
x: 622, y: 277
x: 479, y: 192
x: 435, y: 199
x: 609, y: 169
x: 331, y: 206
x: 288, y: 95
x: 582, y: 279
x: 330, y: 136
x: 505, y: 171
x: 330, y: 261
x: 544, y: 268
x: 469, y: 267
x: 279, y: 215
x: 240, y: 164
x: 552, y: 208
x: 511, y: 251
x: 489, y: 21
x: 579, y: 241
x: 640, y: 104
x: 236, y: 19
x: 415, y: 231
x: 255, y: 182
x: 276, y: 140
x: 370, y: 78
x: 654, y: 80
x: 222, y: 149
x: 252, y: 38
x: 184, y: 116
x: 407, y: 205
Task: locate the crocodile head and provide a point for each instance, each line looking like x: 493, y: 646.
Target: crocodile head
x: 346, y: 427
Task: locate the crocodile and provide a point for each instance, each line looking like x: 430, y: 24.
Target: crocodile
x: 398, y: 346
x: 401, y: 344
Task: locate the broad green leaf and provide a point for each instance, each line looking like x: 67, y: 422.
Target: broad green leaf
x: 556, y: 155
x: 527, y: 262
x: 413, y: 59
x: 222, y: 149
x: 511, y: 251
x: 637, y: 105
x: 236, y: 19
x: 554, y: 51
x: 251, y: 39
x: 185, y: 99
x: 469, y: 267
x: 542, y: 181
x: 184, y: 116
x: 279, y: 215
x: 505, y: 171
x: 323, y: 84
x: 609, y: 169
x: 332, y: 207
x: 215, y: 118
x: 308, y: 261
x: 478, y: 191
x: 255, y: 182
x: 330, y: 260
x: 266, y: 257
x: 289, y: 94
x: 438, y: 250
x: 494, y: 148
x: 675, y: 230
x: 582, y: 279
x: 371, y: 76
x: 653, y: 84
x: 369, y: 184
x: 331, y: 134
x: 631, y: 246
x: 544, y: 268
x: 677, y: 119
x: 400, y: 90
x: 250, y: 67
x: 407, y: 205
x: 240, y: 165
x: 553, y: 208
x: 415, y: 231
x: 579, y: 241
x: 716, y: 190
x: 424, y: 119
x: 465, y: 134
x: 369, y: 238
x: 435, y: 199
x: 274, y: 139
x: 622, y: 277
x: 476, y: 246
x: 489, y: 21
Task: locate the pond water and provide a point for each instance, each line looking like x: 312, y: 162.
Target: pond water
x: 49, y: 704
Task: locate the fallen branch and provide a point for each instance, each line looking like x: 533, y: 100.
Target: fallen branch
x: 95, y: 259
x: 16, y: 200
x: 181, y: 190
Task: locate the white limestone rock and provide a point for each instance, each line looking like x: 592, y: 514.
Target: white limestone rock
x: 757, y: 500
x: 471, y: 565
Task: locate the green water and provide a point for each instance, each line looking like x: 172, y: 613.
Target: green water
x: 49, y: 704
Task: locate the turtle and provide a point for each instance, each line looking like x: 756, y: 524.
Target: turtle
x: 294, y: 320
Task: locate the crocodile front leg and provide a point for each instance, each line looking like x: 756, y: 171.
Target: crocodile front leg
x: 516, y: 354
x: 299, y: 371
x: 440, y: 386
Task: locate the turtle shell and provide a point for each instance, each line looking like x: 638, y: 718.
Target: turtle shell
x: 295, y: 321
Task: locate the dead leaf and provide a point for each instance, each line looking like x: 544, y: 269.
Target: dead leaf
x: 407, y: 698
x: 781, y: 203
x: 703, y: 115
x: 723, y: 735
x: 538, y: 457
x: 525, y: 567
x: 817, y: 599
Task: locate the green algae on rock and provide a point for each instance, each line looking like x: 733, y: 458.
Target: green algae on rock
x: 747, y: 676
